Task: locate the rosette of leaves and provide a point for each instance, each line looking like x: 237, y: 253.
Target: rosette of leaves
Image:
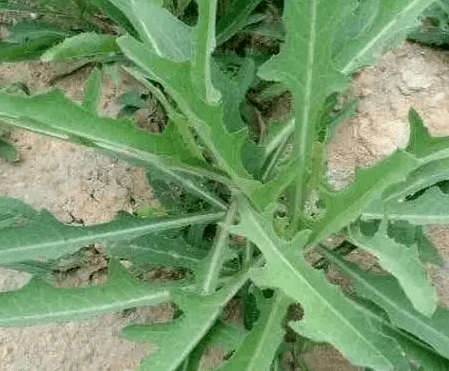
x: 238, y: 229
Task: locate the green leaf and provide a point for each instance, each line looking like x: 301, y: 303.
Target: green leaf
x: 344, y: 206
x: 422, y: 144
x: 385, y: 292
x: 206, y: 119
x: 208, y: 276
x: 350, y: 331
x: 53, y: 114
x: 23, y: 32
x: 39, y: 302
x: 234, y: 90
x: 304, y: 66
x: 169, y: 37
x: 29, y: 40
x: 386, y: 24
x: 158, y: 249
x: 177, y: 339
x: 222, y: 335
x: 434, y: 29
x: 28, y: 234
x: 85, y: 45
x: 234, y: 19
x: 402, y: 261
x: 260, y: 346
x: 92, y: 92
x: 427, y: 359
x: 423, y: 177
x: 205, y: 44
x: 116, y: 15
x: 429, y: 208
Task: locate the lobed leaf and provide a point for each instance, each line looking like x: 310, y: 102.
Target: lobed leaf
x: 53, y: 114
x: 385, y: 292
x: 40, y: 302
x: 344, y: 206
x: 402, y: 261
x: 177, y: 339
x: 377, y: 25
x: 350, y: 330
x: 304, y: 66
x: 28, y: 234
x: 260, y: 346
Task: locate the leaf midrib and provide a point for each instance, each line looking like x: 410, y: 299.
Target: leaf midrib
x: 287, y: 263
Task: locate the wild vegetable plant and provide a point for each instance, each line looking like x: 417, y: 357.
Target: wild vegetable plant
x: 240, y: 215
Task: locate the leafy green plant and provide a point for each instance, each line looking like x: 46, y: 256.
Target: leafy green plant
x: 239, y: 215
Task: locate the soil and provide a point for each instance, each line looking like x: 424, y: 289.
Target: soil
x: 79, y: 185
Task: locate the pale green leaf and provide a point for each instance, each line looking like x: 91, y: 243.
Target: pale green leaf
x: 385, y: 292
x: 92, y: 92
x: 84, y: 45
x: 387, y: 23
x: 28, y: 234
x: 402, y: 261
x: 329, y: 315
x: 40, y: 302
x: 177, y: 339
x: 260, y: 346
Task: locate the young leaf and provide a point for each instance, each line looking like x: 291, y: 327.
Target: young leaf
x: 177, y: 339
x: 28, y: 234
x: 40, y: 302
x: 385, y: 292
x: 85, y: 45
x: 260, y: 346
x: 402, y: 261
x: 385, y: 29
x: 92, y: 92
x: 286, y: 269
